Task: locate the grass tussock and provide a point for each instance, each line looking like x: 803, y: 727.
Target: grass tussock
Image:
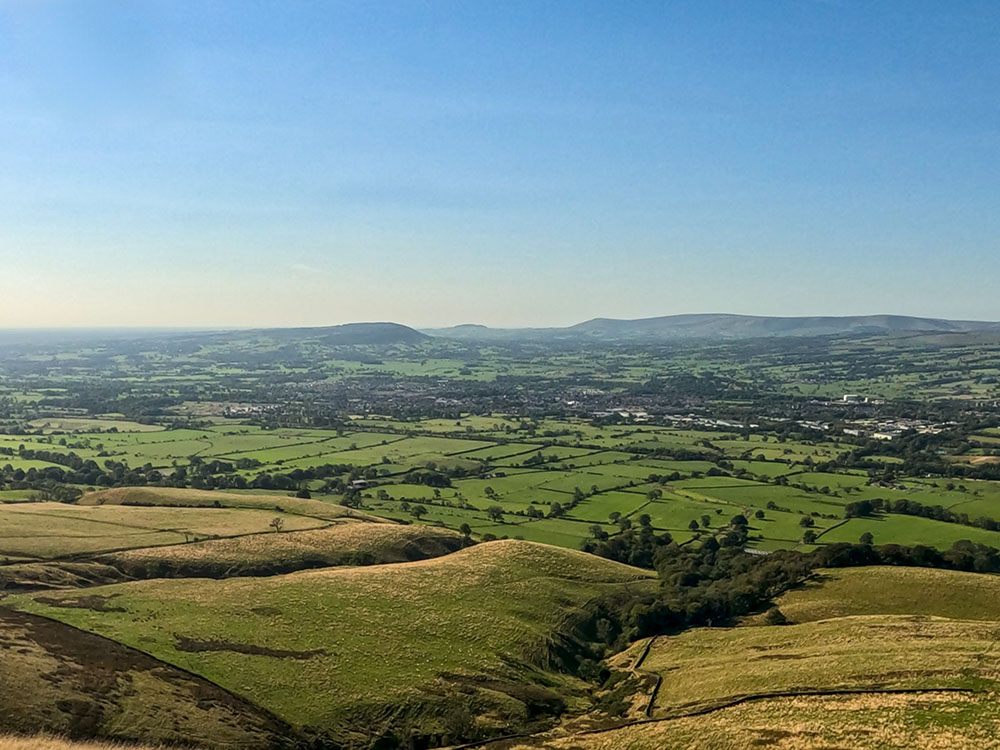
x: 44, y: 742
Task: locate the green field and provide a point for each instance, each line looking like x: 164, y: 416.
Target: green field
x: 497, y: 461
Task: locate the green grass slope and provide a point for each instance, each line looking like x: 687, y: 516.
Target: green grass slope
x: 59, y: 680
x: 709, y: 666
x: 445, y: 648
x: 886, y: 590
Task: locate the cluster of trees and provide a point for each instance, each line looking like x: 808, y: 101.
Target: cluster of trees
x: 71, y: 469
x: 905, y: 506
x: 637, y: 546
x: 717, y: 581
x: 428, y: 478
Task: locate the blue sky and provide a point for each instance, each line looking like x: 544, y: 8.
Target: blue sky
x: 517, y: 163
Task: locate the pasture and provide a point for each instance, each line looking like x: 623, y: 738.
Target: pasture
x: 503, y: 460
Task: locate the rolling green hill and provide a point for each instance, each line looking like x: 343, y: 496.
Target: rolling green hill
x: 457, y: 646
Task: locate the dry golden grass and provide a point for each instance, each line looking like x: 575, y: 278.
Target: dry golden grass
x: 342, y: 544
x: 45, y: 530
x: 59, y: 681
x: 885, y: 590
x: 709, y: 665
x: 922, y: 721
x: 44, y: 742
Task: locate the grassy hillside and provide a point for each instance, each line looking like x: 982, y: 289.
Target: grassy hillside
x: 881, y: 658
x: 418, y: 647
x: 943, y: 721
x: 141, y: 517
x: 714, y: 665
x: 893, y: 591
x: 267, y: 554
x: 56, y: 679
x: 50, y: 530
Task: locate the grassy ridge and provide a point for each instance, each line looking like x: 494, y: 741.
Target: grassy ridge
x: 267, y: 554
x: 473, y: 630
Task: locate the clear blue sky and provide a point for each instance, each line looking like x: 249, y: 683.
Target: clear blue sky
x: 510, y: 163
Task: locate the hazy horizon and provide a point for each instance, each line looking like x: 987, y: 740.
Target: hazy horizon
x: 420, y: 327
x: 276, y: 164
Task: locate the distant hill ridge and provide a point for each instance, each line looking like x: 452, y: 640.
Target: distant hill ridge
x: 723, y: 325
x: 346, y: 334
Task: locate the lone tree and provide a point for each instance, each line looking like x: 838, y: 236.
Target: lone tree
x: 277, y: 523
x: 417, y: 511
x: 495, y: 513
x: 809, y: 537
x: 759, y: 514
x: 466, y: 530
x: 613, y: 516
x: 693, y: 525
x: 597, y: 532
x: 739, y: 520
x: 867, y: 538
x: 706, y: 521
